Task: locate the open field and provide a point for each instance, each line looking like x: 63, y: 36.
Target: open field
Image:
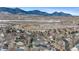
x: 38, y: 33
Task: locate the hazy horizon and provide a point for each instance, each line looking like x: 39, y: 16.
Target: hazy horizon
x: 71, y: 10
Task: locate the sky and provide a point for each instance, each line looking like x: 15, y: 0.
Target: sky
x: 71, y: 10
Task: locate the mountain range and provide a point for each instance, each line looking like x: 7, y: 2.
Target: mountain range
x: 33, y: 12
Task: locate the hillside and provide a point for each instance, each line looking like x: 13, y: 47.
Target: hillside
x: 33, y: 12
